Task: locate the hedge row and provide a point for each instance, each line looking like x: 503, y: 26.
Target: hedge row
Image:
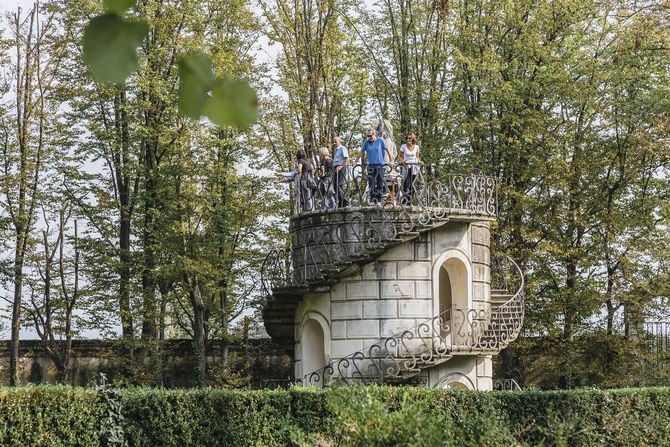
x: 355, y: 416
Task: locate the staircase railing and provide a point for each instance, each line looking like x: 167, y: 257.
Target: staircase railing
x: 505, y: 385
x: 400, y: 185
x: 405, y: 354
x: 363, y: 233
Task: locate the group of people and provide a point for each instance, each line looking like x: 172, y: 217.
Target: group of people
x: 332, y: 172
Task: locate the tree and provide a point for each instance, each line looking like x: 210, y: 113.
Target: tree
x: 26, y: 139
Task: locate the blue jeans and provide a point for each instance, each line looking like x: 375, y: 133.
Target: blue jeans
x: 376, y: 182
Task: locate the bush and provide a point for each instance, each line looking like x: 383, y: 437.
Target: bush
x: 353, y: 416
x: 51, y: 416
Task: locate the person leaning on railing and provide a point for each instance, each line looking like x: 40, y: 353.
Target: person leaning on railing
x: 326, y: 187
x: 307, y: 182
x: 374, y: 149
x: 409, y: 156
x: 340, y: 162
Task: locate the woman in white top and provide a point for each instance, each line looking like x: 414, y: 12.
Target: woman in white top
x: 409, y: 156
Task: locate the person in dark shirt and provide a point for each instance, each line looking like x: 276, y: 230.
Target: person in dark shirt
x: 306, y: 173
x: 326, y: 186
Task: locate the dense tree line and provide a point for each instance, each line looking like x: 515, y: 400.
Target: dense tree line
x: 117, y: 212
x: 564, y: 101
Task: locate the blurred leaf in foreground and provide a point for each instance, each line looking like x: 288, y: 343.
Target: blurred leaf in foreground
x: 110, y: 46
x: 118, y: 6
x: 226, y: 102
x: 233, y: 103
x: 196, y: 78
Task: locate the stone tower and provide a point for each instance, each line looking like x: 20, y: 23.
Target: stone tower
x: 402, y: 291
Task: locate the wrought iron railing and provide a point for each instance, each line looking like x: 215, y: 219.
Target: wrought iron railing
x: 505, y: 385
x: 405, y: 354
x: 394, y: 186
x: 323, y: 249
x: 411, y: 202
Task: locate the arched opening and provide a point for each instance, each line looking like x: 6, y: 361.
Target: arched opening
x: 456, y: 381
x: 456, y: 386
x: 312, y: 344
x: 453, y: 283
x: 453, y: 301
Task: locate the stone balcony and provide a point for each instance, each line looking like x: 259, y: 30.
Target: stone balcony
x: 329, y: 243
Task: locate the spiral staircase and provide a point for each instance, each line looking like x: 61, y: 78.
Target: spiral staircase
x: 328, y: 245
x: 399, y: 358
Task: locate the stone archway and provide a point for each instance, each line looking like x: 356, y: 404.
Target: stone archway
x: 452, y: 295
x: 314, y: 343
x: 453, y: 285
x: 456, y: 381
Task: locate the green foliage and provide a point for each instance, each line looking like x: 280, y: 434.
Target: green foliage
x: 53, y: 416
x: 596, y: 359
x: 110, y: 46
x: 351, y: 416
x: 207, y: 418
x: 409, y: 417
x: 226, y: 101
x: 232, y: 103
x: 118, y: 6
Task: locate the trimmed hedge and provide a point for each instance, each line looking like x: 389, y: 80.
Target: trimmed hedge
x: 353, y: 416
x: 50, y: 416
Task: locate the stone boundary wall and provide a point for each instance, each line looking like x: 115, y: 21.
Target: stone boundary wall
x: 260, y: 358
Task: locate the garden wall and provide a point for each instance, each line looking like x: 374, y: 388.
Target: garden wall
x: 260, y: 360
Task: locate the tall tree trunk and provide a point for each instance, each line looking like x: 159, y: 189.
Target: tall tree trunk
x: 123, y: 185
x: 16, y: 313
x: 149, y: 307
x: 199, y: 348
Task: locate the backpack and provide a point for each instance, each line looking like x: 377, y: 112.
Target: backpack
x: 310, y: 182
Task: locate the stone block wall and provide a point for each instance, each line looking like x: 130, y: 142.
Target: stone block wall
x: 394, y: 292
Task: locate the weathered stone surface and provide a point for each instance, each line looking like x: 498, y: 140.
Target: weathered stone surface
x: 342, y: 348
x: 424, y: 289
x: 338, y: 329
x: 343, y: 311
x: 362, y: 328
x: 413, y: 270
x: 362, y: 290
x: 480, y: 272
x: 392, y: 327
x: 480, y: 235
x: 399, y: 253
x: 380, y: 309
x: 449, y: 236
x: 484, y: 366
x: 339, y: 292
x: 415, y: 308
x: 422, y: 250
x: 379, y: 270
x: 480, y: 253
x: 397, y: 289
x: 479, y: 291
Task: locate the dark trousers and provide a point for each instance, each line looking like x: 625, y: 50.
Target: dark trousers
x: 305, y: 197
x: 376, y: 182
x: 408, y: 187
x: 341, y: 188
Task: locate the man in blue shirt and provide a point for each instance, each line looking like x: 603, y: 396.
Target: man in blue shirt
x: 374, y: 149
x: 340, y: 162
